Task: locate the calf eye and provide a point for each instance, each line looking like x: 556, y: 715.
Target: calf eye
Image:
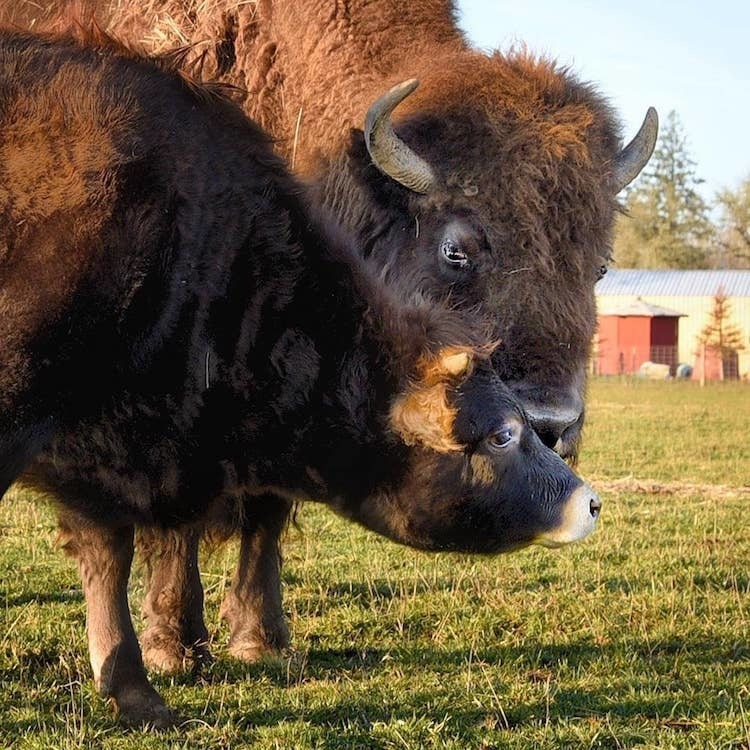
x: 453, y: 254
x: 500, y: 439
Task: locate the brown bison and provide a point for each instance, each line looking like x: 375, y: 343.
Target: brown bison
x: 177, y: 327
x: 495, y: 184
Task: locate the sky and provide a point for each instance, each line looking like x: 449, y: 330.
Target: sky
x: 691, y: 57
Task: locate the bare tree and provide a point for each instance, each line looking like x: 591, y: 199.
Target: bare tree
x: 734, y: 226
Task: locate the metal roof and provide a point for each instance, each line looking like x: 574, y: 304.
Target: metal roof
x: 640, y: 309
x: 674, y: 283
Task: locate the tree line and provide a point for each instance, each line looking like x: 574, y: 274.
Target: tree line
x: 666, y: 222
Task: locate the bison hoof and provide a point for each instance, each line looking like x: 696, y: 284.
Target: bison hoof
x: 254, y: 651
x: 253, y: 643
x: 164, y: 652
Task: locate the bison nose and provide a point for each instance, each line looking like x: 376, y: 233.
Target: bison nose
x: 552, y: 426
x: 556, y: 414
x: 558, y: 429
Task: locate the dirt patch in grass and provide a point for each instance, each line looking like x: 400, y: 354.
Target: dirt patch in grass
x: 654, y: 487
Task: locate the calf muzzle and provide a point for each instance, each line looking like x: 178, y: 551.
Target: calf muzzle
x: 578, y: 519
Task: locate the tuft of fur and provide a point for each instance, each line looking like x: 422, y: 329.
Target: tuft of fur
x: 423, y: 414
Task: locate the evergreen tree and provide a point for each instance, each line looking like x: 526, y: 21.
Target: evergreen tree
x: 721, y: 335
x: 666, y: 223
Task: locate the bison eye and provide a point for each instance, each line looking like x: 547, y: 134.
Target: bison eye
x: 501, y: 439
x: 601, y: 271
x: 453, y: 254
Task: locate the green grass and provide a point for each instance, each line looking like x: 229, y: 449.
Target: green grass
x: 638, y: 637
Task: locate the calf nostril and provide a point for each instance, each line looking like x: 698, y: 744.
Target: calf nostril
x: 595, y: 506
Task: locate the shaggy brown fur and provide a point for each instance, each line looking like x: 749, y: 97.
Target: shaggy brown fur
x: 536, y: 146
x: 423, y: 414
x: 523, y: 154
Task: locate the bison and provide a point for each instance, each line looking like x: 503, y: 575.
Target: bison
x: 178, y: 326
x: 495, y: 184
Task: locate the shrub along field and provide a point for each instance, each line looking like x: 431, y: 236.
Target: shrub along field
x: 637, y: 637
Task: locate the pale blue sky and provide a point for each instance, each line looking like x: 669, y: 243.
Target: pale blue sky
x: 693, y: 57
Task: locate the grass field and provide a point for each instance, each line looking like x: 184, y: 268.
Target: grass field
x: 638, y: 637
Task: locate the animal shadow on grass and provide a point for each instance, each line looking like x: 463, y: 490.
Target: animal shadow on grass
x: 536, y: 663
x: 533, y: 661
x: 366, y: 595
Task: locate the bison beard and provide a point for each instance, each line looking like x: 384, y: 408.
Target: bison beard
x: 524, y: 163
x: 180, y: 331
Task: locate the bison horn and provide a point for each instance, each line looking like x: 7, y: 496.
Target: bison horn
x: 633, y: 158
x: 387, y: 151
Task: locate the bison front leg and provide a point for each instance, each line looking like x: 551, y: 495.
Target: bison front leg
x: 252, y: 607
x: 176, y: 636
x: 104, y: 556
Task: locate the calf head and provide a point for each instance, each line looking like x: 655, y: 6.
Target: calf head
x: 472, y: 474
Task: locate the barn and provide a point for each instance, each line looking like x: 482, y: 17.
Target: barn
x: 636, y: 332
x: 641, y: 311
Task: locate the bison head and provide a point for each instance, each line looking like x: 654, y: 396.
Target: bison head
x: 504, y: 200
x: 469, y: 473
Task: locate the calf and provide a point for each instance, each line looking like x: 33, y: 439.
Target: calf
x: 178, y: 328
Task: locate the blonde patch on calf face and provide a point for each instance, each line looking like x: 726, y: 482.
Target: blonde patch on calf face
x: 422, y: 414
x: 480, y: 471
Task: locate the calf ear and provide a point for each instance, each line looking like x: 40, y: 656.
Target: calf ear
x: 452, y: 364
x: 422, y: 414
x: 456, y: 364
x: 448, y: 365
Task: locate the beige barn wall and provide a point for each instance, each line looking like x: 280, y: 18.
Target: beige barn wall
x: 697, y: 311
